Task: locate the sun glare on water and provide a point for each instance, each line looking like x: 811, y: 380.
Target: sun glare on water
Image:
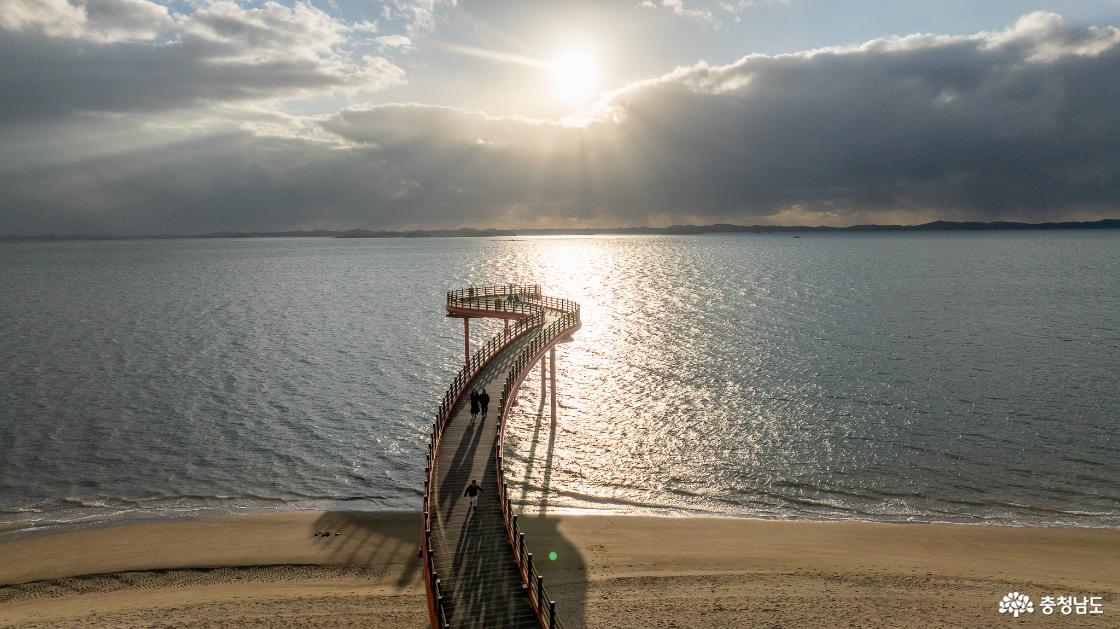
x: 575, y: 77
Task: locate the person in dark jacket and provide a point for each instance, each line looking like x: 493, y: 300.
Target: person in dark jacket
x: 472, y: 492
x: 474, y: 404
x: 484, y: 401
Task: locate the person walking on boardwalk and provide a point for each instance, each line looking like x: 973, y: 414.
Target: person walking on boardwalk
x: 472, y: 493
x: 484, y: 401
x: 474, y: 404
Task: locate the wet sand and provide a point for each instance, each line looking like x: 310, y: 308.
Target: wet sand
x: 610, y: 571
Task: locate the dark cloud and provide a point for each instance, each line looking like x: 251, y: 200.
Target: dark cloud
x: 1019, y: 124
x: 1012, y: 124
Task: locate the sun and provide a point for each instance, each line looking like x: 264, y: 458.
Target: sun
x: 575, y: 77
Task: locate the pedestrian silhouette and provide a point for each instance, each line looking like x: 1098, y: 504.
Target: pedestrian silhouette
x: 472, y: 493
x: 474, y: 404
x: 484, y: 401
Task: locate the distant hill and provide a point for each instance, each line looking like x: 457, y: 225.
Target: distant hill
x: 1110, y: 223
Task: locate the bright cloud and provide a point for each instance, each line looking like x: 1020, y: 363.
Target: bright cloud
x: 394, y: 41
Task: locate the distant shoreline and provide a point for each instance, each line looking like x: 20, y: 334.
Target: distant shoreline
x: 674, y: 230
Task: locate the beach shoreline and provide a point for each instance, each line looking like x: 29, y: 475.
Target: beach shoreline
x: 610, y: 571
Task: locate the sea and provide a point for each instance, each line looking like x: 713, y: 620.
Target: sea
x: 968, y: 377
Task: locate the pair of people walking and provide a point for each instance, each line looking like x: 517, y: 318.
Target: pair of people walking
x: 480, y: 401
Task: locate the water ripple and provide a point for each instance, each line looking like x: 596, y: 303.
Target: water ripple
x: 962, y: 377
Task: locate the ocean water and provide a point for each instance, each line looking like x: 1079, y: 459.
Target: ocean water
x: 967, y: 377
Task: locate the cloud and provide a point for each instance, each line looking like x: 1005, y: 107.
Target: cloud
x: 394, y: 41
x: 1015, y: 124
x: 119, y: 56
x: 53, y: 17
x: 270, y: 31
x: 678, y: 7
x: 418, y: 16
x: 715, y: 12
x: 92, y: 20
x: 121, y: 20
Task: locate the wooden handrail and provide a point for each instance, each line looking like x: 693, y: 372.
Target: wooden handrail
x: 568, y: 323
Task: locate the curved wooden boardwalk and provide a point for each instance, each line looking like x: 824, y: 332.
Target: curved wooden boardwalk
x: 478, y: 572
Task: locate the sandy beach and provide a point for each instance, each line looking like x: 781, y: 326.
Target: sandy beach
x: 610, y: 571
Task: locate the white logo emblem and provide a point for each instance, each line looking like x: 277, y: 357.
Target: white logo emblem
x: 1015, y: 603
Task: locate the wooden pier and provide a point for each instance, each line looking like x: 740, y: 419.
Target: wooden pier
x: 478, y: 571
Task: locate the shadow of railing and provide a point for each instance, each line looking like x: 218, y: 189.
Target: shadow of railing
x: 567, y: 574
x: 560, y: 561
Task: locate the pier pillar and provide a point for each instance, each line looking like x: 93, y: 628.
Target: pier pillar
x: 506, y: 324
x: 466, y: 341
x: 552, y: 378
x: 544, y: 374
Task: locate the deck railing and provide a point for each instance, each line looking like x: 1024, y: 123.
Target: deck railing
x: 493, y: 291
x: 510, y: 298
x: 569, y: 321
x: 481, y: 356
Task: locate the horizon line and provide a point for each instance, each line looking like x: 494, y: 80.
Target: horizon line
x: 682, y: 229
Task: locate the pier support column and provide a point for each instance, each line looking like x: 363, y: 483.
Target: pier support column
x: 506, y: 324
x: 544, y: 375
x: 466, y: 341
x: 552, y: 379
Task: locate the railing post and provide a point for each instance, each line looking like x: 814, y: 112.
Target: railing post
x: 552, y: 377
x: 540, y: 594
x: 529, y: 569
x: 439, y: 596
x: 551, y: 614
x: 466, y: 341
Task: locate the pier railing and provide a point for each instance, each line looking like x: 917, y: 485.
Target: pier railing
x: 493, y: 291
x: 569, y: 321
x: 512, y: 298
x: 479, y: 359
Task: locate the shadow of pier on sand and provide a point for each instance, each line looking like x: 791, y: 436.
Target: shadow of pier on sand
x: 566, y: 576
x: 379, y: 542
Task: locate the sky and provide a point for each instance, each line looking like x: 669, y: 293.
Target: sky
x: 189, y: 116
